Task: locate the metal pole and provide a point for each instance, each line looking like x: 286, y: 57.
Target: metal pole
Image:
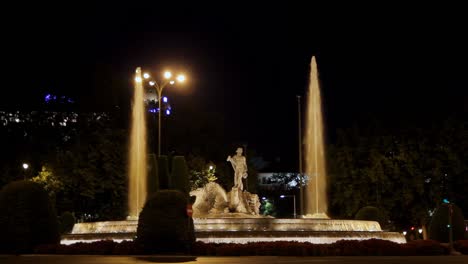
x: 299, y: 129
x: 450, y: 227
x: 159, y: 121
x: 294, y: 199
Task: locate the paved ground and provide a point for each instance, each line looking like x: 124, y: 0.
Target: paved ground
x: 52, y: 259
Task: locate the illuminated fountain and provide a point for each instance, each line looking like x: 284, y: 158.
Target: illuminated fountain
x: 314, y: 227
x: 137, y: 170
x: 315, y: 196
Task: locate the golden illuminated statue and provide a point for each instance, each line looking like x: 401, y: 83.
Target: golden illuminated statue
x: 239, y: 164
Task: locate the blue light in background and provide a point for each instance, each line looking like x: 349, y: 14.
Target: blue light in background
x: 168, y: 112
x: 51, y: 98
x: 165, y: 99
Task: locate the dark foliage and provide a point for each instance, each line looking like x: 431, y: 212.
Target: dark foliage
x: 180, y: 175
x: 66, y: 222
x: 163, y: 170
x: 27, y: 219
x: 438, y: 228
x: 87, y: 157
x: 369, y: 213
x: 404, y: 171
x: 163, y: 225
x: 153, y: 174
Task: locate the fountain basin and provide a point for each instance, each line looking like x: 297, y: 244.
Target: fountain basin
x: 280, y: 224
x: 239, y: 224
x: 244, y: 230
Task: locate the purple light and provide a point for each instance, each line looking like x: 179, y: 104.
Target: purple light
x: 153, y: 110
x: 47, y: 98
x: 165, y: 99
x: 168, y: 112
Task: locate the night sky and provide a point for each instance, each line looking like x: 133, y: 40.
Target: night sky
x: 246, y: 61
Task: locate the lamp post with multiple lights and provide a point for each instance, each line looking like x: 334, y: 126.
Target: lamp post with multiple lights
x: 159, y: 89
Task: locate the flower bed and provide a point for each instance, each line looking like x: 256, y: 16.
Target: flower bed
x: 371, y: 247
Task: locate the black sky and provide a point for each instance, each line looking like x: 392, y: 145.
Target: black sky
x: 247, y: 61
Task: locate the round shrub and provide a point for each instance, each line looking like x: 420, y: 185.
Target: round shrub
x: 163, y: 225
x: 438, y: 228
x: 66, y: 222
x: 369, y: 213
x: 27, y: 218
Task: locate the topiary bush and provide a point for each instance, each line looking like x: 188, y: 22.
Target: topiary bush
x: 438, y: 229
x: 66, y: 222
x: 153, y: 175
x: 163, y: 225
x: 180, y: 175
x: 369, y: 213
x: 163, y: 171
x: 27, y: 218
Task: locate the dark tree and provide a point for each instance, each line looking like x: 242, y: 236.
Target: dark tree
x: 28, y: 218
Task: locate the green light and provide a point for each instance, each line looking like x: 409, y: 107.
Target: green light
x: 448, y: 226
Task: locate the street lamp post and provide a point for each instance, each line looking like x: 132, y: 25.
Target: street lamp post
x: 294, y: 202
x: 25, y: 167
x: 299, y: 130
x: 159, y: 89
x: 450, y: 213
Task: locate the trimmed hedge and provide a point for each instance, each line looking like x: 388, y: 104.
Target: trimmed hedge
x: 163, y: 225
x: 153, y: 175
x: 163, y: 171
x: 66, y: 222
x: 369, y: 213
x: 27, y: 217
x: 180, y: 175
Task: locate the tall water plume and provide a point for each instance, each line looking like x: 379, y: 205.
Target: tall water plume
x: 137, y: 151
x: 315, y: 196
